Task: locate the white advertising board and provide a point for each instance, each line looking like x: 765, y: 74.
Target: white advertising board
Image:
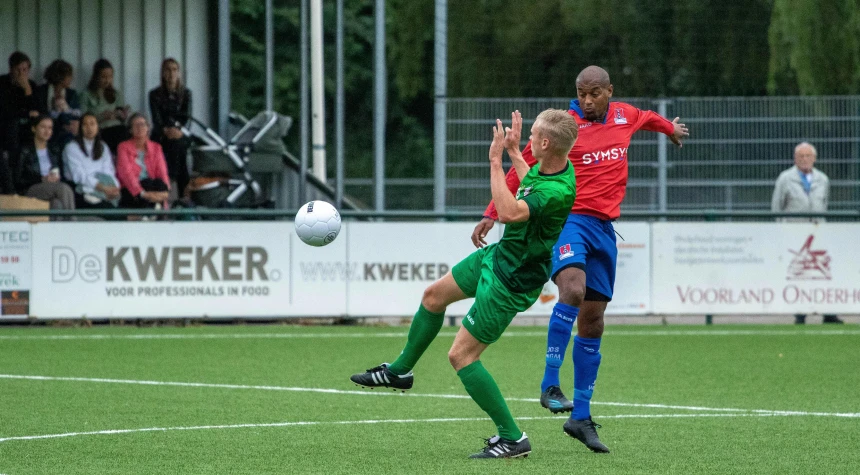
x: 755, y: 268
x: 175, y: 269
x: 390, y: 264
x: 632, y: 294
x: 15, y: 242
x: 261, y: 269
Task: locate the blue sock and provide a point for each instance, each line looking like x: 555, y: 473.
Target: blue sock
x: 586, y: 360
x: 557, y: 338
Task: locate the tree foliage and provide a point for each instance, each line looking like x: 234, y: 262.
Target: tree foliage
x: 508, y: 48
x: 815, y: 47
x: 409, y: 114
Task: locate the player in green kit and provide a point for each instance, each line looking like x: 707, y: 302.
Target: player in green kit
x: 504, y: 278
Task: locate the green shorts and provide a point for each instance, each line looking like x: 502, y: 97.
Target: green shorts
x: 495, y: 305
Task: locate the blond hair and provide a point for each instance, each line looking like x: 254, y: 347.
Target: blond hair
x: 560, y: 128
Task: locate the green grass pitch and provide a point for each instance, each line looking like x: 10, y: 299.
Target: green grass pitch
x: 277, y: 399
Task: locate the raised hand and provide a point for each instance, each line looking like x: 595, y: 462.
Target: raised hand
x: 498, y: 143
x: 513, y: 134
x: 681, y: 132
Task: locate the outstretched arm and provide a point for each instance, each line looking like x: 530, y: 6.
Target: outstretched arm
x: 649, y: 120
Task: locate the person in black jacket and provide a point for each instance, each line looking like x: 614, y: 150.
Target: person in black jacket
x: 170, y: 105
x: 17, y: 103
x: 57, y: 99
x: 37, y: 168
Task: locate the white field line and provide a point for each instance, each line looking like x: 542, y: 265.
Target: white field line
x: 385, y: 392
x: 227, y: 336
x: 370, y: 421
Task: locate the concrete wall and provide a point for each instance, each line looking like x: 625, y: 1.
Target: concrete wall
x: 134, y: 35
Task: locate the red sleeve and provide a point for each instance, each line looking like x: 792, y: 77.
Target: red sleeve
x: 512, y: 180
x: 654, y: 122
x: 124, y: 171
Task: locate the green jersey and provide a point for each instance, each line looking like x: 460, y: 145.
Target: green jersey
x: 523, y: 257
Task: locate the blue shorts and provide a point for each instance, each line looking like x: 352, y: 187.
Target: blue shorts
x: 588, y: 243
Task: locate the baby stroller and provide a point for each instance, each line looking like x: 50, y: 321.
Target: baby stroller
x: 224, y: 168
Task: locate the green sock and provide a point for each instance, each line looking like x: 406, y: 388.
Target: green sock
x: 483, y: 389
x: 425, y: 326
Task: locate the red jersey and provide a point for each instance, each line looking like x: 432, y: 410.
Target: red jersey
x: 599, y: 158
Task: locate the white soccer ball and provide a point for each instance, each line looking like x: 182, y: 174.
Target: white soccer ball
x: 317, y: 223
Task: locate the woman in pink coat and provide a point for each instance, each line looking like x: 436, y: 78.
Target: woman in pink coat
x: 141, y: 168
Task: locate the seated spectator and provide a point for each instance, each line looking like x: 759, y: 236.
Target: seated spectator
x: 89, y: 166
x: 107, y: 103
x: 141, y: 168
x: 37, y: 168
x: 17, y: 104
x: 170, y: 104
x: 57, y: 99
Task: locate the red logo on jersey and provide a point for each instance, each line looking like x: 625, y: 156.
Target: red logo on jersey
x: 619, y: 116
x: 564, y: 252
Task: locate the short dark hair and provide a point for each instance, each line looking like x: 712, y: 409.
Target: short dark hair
x: 39, y: 118
x: 17, y: 58
x: 57, y: 71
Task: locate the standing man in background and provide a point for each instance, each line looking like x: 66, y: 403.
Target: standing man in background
x: 803, y: 189
x: 583, y: 259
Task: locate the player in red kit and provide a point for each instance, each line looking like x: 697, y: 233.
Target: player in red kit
x: 583, y: 260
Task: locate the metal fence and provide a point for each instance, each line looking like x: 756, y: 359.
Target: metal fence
x: 737, y: 148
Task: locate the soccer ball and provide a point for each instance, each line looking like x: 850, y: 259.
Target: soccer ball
x: 317, y: 223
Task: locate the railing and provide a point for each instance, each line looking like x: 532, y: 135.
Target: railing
x: 272, y: 214
x: 737, y: 148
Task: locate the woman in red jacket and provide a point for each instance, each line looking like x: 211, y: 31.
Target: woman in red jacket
x: 141, y: 168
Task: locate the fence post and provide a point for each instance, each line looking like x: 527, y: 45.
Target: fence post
x: 380, y: 105
x: 662, y: 162
x: 440, y: 112
x: 224, y: 91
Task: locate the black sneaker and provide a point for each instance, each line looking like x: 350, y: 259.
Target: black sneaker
x: 584, y: 431
x: 499, y: 448
x: 554, y: 400
x: 381, y: 376
x: 832, y: 319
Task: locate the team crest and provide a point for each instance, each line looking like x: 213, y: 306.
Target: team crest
x: 564, y: 252
x: 619, y: 116
x: 523, y: 192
